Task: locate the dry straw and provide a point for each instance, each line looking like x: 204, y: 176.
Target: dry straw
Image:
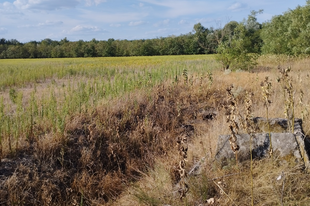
x: 249, y: 127
x: 231, y: 112
x: 266, y: 92
x: 304, y: 110
x: 210, y: 78
x: 287, y: 86
x: 182, y: 147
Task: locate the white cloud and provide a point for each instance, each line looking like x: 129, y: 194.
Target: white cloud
x: 115, y: 25
x: 141, y: 4
x: 84, y: 29
x: 237, y: 6
x: 45, y: 4
x: 162, y: 23
x: 94, y: 2
x: 183, y: 22
x: 136, y: 23
x: 111, y: 18
x: 158, y: 31
x: 3, y: 30
x: 206, y: 20
x: 9, y: 9
x: 44, y: 24
x: 163, y: 32
x: 50, y: 23
x: 7, y: 5
x: 264, y: 17
x: 178, y: 8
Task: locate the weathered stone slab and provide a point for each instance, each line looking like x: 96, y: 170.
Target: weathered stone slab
x: 283, y: 141
x: 283, y: 144
x: 277, y: 125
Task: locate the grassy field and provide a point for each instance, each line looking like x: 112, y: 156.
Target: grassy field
x: 20, y: 72
x: 103, y: 131
x: 47, y: 91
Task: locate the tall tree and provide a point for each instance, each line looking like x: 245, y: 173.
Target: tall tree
x: 288, y: 33
x: 241, y: 40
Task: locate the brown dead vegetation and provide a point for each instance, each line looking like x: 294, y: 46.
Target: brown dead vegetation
x: 124, y: 152
x: 104, y: 150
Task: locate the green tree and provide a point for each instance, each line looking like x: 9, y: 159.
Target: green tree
x: 57, y: 52
x: 44, y: 48
x: 90, y: 49
x: 77, y: 49
x: 3, y: 49
x: 110, y: 48
x: 229, y: 30
x: 31, y: 49
x: 207, y: 39
x: 239, y: 43
x: 288, y: 33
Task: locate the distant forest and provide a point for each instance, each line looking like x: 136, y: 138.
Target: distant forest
x: 288, y: 33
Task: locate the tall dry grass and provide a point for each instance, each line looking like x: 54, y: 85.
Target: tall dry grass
x: 276, y: 182
x: 123, y: 150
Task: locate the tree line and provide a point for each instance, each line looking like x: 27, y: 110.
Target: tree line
x: 47, y: 48
x: 236, y: 42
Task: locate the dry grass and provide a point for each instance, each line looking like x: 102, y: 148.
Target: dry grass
x: 268, y: 188
x: 102, y: 151
x: 123, y: 151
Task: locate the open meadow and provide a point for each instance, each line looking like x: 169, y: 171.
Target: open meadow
x: 105, y: 131
x: 42, y: 93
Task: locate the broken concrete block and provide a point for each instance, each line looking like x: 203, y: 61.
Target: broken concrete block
x: 283, y: 144
x: 277, y: 125
x: 283, y: 141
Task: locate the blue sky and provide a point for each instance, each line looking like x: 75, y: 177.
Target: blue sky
x: 27, y: 20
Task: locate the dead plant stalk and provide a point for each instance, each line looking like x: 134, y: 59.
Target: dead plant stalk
x: 266, y: 92
x: 249, y: 127
x: 287, y: 86
x: 231, y: 112
x: 182, y: 147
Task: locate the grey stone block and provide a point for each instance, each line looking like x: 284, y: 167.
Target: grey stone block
x: 277, y: 125
x: 283, y: 144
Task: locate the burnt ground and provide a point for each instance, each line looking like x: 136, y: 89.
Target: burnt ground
x: 101, y: 151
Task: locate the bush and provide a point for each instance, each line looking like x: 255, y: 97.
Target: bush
x: 235, y: 57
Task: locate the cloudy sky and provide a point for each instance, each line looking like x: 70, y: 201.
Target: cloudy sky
x: 27, y: 20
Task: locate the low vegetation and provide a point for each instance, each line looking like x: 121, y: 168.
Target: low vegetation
x: 143, y: 130
x: 130, y: 131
